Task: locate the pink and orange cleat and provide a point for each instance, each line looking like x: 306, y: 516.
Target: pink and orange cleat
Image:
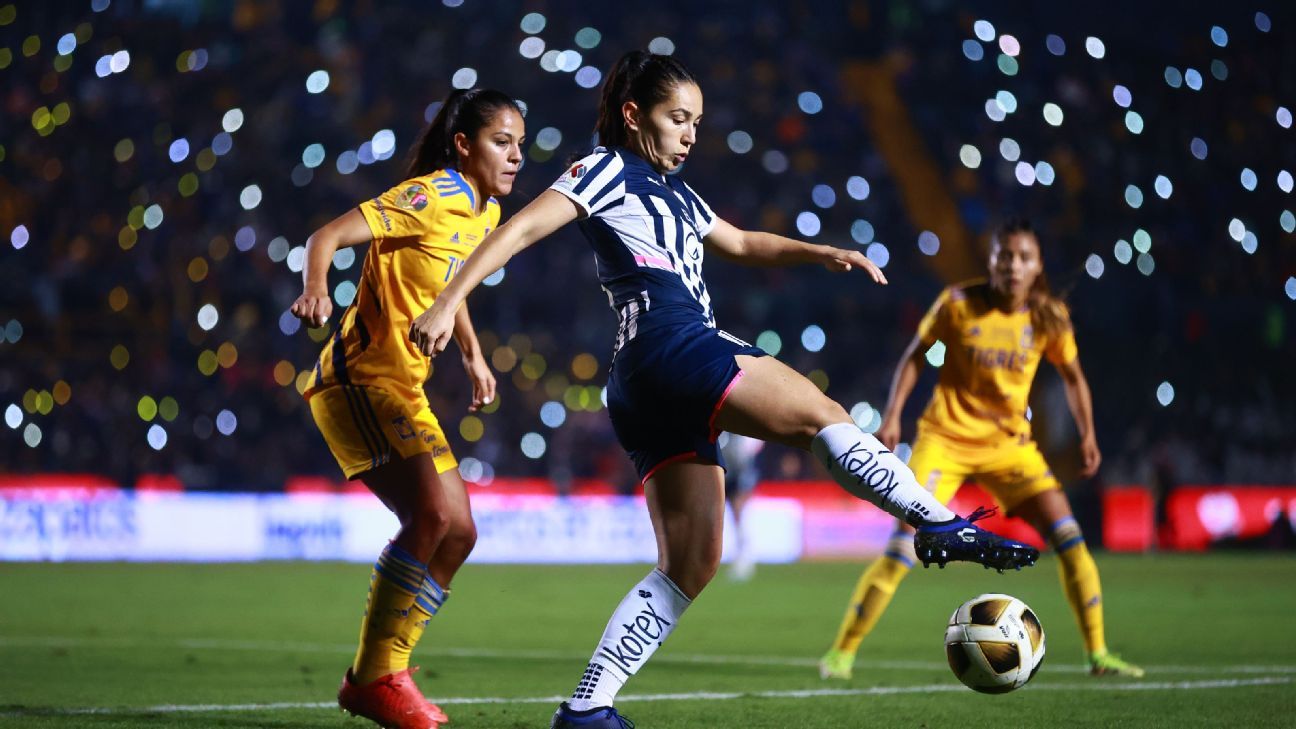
x: 393, y: 702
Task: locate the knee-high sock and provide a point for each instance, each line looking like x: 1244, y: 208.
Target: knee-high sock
x: 430, y: 599
x: 874, y: 591
x: 641, y: 623
x: 860, y: 464
x: 402, y: 599
x: 1080, y: 582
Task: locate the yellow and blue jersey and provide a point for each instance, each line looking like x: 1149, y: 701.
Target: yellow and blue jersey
x: 423, y: 231
x: 990, y: 361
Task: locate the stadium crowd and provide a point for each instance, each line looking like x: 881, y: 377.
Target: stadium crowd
x: 162, y: 164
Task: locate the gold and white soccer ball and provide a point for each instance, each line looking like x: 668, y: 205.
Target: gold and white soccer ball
x: 994, y: 643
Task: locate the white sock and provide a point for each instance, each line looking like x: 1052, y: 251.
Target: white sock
x: 638, y: 626
x: 863, y: 466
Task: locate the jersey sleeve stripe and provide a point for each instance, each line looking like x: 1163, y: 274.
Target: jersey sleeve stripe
x: 593, y: 201
x: 590, y: 176
x: 467, y: 189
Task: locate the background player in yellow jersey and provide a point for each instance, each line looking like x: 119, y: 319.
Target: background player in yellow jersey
x: 975, y: 427
x: 366, y: 394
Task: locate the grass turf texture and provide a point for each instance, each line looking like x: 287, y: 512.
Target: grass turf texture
x: 1215, y: 632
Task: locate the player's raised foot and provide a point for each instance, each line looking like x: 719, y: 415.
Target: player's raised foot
x: 959, y: 540
x: 836, y: 664
x: 600, y: 717
x: 1102, y: 663
x: 392, y: 701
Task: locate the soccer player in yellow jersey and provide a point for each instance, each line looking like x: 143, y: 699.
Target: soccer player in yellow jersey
x: 975, y: 427
x: 366, y: 393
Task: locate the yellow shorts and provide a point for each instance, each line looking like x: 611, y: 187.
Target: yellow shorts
x: 1011, y: 472
x: 363, y: 426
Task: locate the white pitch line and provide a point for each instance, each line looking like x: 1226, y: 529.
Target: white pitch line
x: 549, y: 655
x: 694, y: 696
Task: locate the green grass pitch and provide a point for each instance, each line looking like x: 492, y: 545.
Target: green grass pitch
x: 264, y: 645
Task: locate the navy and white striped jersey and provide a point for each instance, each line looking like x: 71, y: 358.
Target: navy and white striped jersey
x: 646, y: 230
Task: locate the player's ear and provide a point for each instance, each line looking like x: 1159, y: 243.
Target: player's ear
x: 630, y: 113
x: 461, y: 146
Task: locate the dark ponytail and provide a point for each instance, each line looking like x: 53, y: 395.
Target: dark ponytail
x: 1048, y: 313
x: 464, y: 110
x: 644, y: 78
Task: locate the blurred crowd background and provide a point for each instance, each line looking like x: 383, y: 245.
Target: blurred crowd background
x: 162, y: 163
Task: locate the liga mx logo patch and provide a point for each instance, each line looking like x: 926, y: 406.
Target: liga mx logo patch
x: 412, y: 198
x: 578, y: 171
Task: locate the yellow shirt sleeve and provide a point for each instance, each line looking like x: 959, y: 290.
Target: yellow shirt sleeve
x: 405, y: 211
x: 1062, y: 348
x: 935, y: 323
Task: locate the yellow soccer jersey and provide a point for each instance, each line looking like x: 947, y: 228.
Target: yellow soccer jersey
x: 990, y: 361
x: 423, y: 230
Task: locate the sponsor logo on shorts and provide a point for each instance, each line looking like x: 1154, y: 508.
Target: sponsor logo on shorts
x: 578, y: 171
x: 428, y: 436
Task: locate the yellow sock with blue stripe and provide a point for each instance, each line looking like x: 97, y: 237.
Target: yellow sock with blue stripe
x: 402, y: 599
x: 1080, y: 582
x: 874, y: 591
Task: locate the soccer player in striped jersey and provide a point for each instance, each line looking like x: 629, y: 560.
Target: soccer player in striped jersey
x: 366, y: 393
x: 676, y: 380
x: 975, y: 427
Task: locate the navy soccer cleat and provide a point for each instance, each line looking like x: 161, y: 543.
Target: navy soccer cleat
x: 600, y: 717
x: 959, y: 540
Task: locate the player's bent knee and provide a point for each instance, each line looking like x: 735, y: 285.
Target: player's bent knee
x: 461, y: 540
x: 430, y: 521
x: 827, y: 411
x: 694, y: 572
x: 816, y: 416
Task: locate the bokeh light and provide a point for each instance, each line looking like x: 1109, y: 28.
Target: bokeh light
x: 1165, y: 394
x: 862, y: 232
x: 928, y: 243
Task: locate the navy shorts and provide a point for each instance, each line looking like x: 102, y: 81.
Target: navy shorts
x: 665, y: 389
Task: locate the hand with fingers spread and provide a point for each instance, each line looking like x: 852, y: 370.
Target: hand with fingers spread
x: 313, y: 307
x: 840, y: 260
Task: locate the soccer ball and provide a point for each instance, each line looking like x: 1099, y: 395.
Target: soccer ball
x: 994, y: 643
